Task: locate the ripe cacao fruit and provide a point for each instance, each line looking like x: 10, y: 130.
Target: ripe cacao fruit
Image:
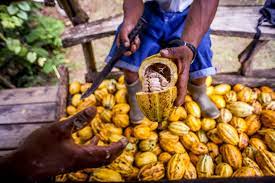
x: 120, y: 96
x: 222, y: 89
x: 172, y: 147
x: 266, y: 161
x: 213, y: 149
x: 224, y: 170
x: 168, y: 137
x: 231, y: 155
x: 193, y: 123
x: 243, y: 142
x: 249, y: 152
x: 225, y: 116
x: 193, y: 108
x: 268, y: 118
x: 208, y: 124
x: 74, y: 87
x: 141, y: 132
x: 228, y: 133
x: 100, y: 94
x: 214, y: 137
x: 205, y: 166
x: 147, y: 145
x: 199, y: 148
x: 202, y: 136
x: 178, y: 128
x: 121, y: 120
x: 239, y: 124
x: 244, y: 172
x: 176, y: 167
x: 85, y: 133
x: 238, y: 87
x: 108, y: 101
x: 151, y: 172
x: 240, y: 109
x: 106, y: 115
x: 177, y: 114
x: 105, y: 175
x: 190, y: 172
x: 257, y: 107
x: 121, y: 108
x: 145, y: 158
x: 253, y: 124
x: 250, y: 163
x: 257, y: 143
x: 218, y: 100
x: 78, y: 176
x: 270, y: 139
x: 84, y: 87
x: 189, y: 139
x: 264, y: 98
x: 164, y: 157
x: 230, y: 96
x: 208, y: 81
x: 245, y: 95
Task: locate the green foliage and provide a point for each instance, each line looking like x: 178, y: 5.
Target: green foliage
x: 30, y: 43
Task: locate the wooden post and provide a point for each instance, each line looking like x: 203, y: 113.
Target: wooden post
x: 78, y: 16
x: 246, y: 58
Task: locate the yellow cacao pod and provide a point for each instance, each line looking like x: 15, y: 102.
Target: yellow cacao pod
x: 218, y: 100
x: 78, y: 176
x: 152, y: 125
x: 147, y: 145
x: 189, y: 139
x: 74, y: 87
x: 145, y: 158
x: 104, y: 84
x: 105, y: 175
x: 266, y: 161
x: 239, y: 124
x: 177, y: 114
x: 268, y: 118
x: 224, y: 170
x: 142, y: 132
x: 257, y: 143
x: 193, y: 123
x: 193, y: 108
x: 205, y: 166
x: 231, y: 155
x: 168, y: 137
x: 222, y: 89
x: 164, y: 157
x: 71, y: 110
x: 208, y: 124
x: 100, y: 94
x: 228, y: 133
x: 153, y: 136
x: 240, y: 109
x: 106, y: 116
x: 266, y: 89
x: 257, y: 107
x: 121, y: 108
x: 249, y: 152
x: 213, y: 149
x: 121, y: 79
x: 85, y: 133
x: 270, y: 106
x: 84, y: 87
x: 202, y: 136
x: 218, y: 159
x: 238, y: 87
x: 61, y: 178
x: 244, y: 172
x: 199, y: 148
x: 176, y: 167
x: 250, y: 163
x: 157, y: 106
x: 88, y: 102
x: 120, y: 96
x: 190, y: 172
x: 214, y: 137
x: 172, y: 148
x: 157, y: 150
x: 111, y: 86
x: 121, y: 120
x: 96, y: 125
x: 245, y: 95
x: 108, y: 101
x: 151, y: 172
x: 112, y: 129
x: 265, y: 98
x: 270, y: 139
x: 210, y: 90
x: 178, y: 128
x: 208, y: 81
x: 194, y: 158
x: 243, y: 142
x: 188, y: 98
x: 225, y: 116
x: 76, y: 99
x: 253, y: 124
x: 230, y: 96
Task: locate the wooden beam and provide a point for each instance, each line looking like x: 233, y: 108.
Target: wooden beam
x: 5, y: 152
x: 28, y: 95
x: 233, y: 79
x: 27, y: 113
x: 12, y: 135
x: 62, y: 95
x: 89, y: 77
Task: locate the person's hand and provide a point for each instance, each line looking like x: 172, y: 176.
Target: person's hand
x: 182, y: 56
x: 50, y: 150
x: 122, y: 38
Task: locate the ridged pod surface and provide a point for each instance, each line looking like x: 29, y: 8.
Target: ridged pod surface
x: 253, y: 124
x: 222, y: 89
x: 266, y: 161
x: 270, y: 139
x: 228, y: 133
x: 178, y: 128
x: 218, y: 101
x: 193, y: 123
x: 250, y: 163
x: 257, y: 143
x: 205, y: 166
x: 239, y: 124
x: 231, y: 155
x: 145, y: 158
x: 151, y: 172
x: 268, y: 118
x: 244, y: 172
x: 190, y: 172
x: 177, y: 114
x: 240, y: 109
x: 105, y: 175
x: 193, y: 108
x: 224, y: 170
x: 225, y: 116
x: 189, y: 139
x: 172, y: 147
x: 176, y: 167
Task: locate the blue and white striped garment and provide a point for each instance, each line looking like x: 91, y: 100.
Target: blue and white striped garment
x: 173, y: 5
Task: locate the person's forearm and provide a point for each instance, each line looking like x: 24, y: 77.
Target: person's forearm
x: 199, y: 19
x: 133, y: 10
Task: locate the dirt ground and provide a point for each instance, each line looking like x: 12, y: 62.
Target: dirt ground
x: 226, y: 49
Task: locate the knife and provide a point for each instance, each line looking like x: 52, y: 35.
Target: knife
x: 118, y: 53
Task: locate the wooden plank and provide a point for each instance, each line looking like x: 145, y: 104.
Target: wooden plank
x: 239, y: 22
x: 27, y: 113
x: 12, y: 135
x: 5, y: 152
x: 240, y: 3
x: 28, y: 95
x: 229, y: 21
x: 233, y: 79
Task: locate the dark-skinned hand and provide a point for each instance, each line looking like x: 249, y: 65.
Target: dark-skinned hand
x: 182, y: 56
x: 50, y: 150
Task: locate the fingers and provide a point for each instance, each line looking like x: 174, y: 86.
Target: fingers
x: 134, y: 47
x: 172, y: 53
x: 81, y: 117
x: 94, y: 140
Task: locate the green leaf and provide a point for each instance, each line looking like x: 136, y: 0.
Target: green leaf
x: 17, y: 21
x: 40, y: 51
x: 24, y: 6
x: 12, y: 9
x: 48, y: 67
x: 13, y: 45
x: 23, y: 15
x: 31, y: 57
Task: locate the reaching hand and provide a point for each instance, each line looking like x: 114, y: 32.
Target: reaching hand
x: 122, y: 38
x: 182, y: 56
x: 50, y: 150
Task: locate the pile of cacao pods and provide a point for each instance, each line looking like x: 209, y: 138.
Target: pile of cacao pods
x: 241, y: 142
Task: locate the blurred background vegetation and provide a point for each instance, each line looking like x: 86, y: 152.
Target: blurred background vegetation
x: 226, y: 49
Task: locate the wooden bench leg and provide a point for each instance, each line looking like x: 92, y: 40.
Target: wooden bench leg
x: 246, y: 60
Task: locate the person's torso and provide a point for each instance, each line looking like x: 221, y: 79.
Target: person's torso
x: 173, y: 5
